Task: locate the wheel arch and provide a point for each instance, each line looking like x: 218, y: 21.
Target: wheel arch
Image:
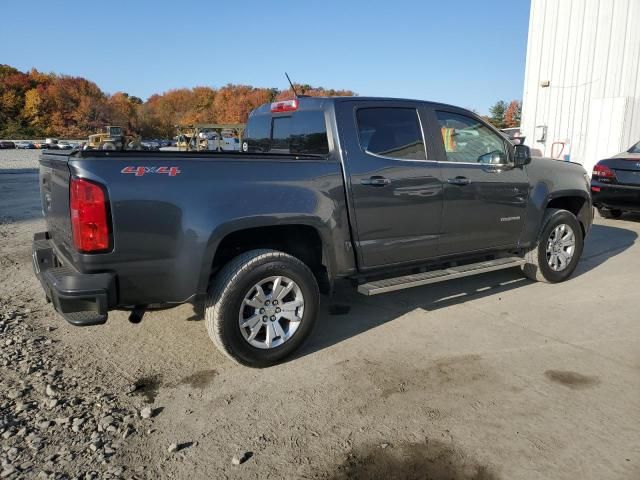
x: 301, y: 238
x: 578, y: 203
x: 543, y: 199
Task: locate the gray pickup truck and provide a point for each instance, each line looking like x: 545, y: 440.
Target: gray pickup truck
x: 386, y: 193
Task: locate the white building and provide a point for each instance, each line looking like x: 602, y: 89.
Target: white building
x: 582, y: 81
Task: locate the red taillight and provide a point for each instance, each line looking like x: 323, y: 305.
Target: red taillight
x: 603, y: 173
x: 88, y: 206
x: 285, y: 106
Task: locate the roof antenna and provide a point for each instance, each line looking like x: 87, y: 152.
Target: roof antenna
x: 291, y: 83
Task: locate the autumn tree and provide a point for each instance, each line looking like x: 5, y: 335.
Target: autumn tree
x: 123, y: 111
x: 40, y: 104
x: 512, y: 114
x: 313, y: 92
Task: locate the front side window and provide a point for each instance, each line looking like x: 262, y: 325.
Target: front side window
x: 391, y: 132
x: 468, y: 140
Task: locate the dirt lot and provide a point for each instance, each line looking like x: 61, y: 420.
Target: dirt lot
x: 492, y: 377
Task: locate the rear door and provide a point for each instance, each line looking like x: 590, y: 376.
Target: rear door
x: 485, y: 196
x: 394, y: 182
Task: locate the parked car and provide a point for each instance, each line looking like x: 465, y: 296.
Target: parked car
x: 64, y: 146
x: 150, y: 146
x: 615, y: 184
x: 515, y: 135
x: 7, y: 144
x: 375, y: 191
x: 25, y: 145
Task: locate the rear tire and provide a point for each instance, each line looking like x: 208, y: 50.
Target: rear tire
x: 236, y: 285
x: 544, y: 261
x: 609, y: 214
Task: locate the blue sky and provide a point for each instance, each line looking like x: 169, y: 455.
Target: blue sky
x: 466, y: 52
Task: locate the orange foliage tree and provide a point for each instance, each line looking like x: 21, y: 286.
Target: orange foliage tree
x: 35, y: 104
x: 512, y: 114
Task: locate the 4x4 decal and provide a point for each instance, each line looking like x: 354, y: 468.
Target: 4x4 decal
x: 141, y: 171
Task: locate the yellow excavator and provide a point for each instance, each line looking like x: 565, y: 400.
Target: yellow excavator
x: 112, y: 138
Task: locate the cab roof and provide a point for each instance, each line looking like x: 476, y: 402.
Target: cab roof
x: 319, y: 103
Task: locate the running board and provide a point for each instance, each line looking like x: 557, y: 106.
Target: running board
x: 435, y: 276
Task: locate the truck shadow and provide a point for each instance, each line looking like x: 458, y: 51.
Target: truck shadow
x: 603, y: 243
x: 336, y: 322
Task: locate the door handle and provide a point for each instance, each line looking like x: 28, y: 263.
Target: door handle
x: 459, y: 181
x: 375, y: 181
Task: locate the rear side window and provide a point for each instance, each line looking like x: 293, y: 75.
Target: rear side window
x: 391, y: 132
x: 304, y: 132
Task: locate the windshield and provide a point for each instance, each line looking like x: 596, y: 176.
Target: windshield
x: 635, y: 148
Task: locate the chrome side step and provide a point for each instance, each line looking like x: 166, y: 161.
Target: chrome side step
x: 435, y: 276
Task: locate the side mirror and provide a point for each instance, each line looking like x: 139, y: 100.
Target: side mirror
x: 522, y: 155
x: 493, y: 158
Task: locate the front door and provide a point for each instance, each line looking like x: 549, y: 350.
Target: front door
x: 485, y: 196
x: 394, y: 182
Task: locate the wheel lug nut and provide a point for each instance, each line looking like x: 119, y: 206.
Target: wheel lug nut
x: 262, y: 310
x: 265, y: 318
x: 267, y: 303
x: 278, y: 310
x: 275, y: 302
x: 273, y: 318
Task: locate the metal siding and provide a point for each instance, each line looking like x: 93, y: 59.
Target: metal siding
x: 590, y: 52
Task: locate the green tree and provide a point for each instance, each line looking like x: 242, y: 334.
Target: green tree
x: 496, y: 114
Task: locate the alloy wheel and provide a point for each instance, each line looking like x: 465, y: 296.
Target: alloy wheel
x: 271, y: 312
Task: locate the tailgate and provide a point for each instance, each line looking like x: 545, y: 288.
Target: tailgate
x: 54, y: 194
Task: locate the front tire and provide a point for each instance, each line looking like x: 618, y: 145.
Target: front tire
x: 557, y: 254
x: 261, y: 307
x: 609, y: 214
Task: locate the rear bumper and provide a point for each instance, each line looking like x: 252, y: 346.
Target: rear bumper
x: 82, y: 299
x: 615, y: 197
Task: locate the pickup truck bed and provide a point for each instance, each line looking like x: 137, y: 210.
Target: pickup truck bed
x: 387, y: 193
x: 165, y: 235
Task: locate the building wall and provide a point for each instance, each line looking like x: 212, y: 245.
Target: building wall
x: 589, y: 52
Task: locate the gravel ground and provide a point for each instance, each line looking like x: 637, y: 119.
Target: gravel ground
x: 18, y: 160
x: 490, y: 377
x: 58, y: 420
